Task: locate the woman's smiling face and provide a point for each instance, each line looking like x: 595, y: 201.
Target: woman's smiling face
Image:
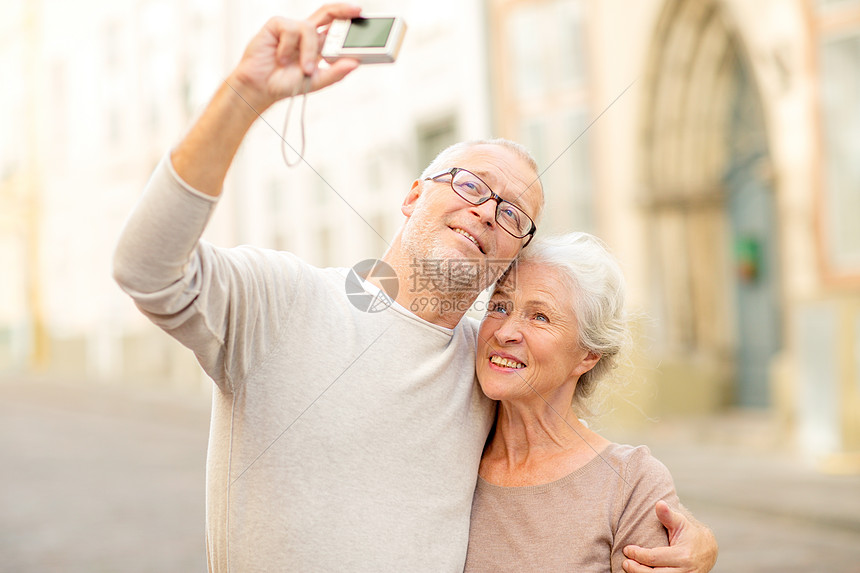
x: 529, y: 339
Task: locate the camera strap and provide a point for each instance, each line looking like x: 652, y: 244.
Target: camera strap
x: 305, y: 87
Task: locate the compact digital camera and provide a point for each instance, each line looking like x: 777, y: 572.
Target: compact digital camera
x: 369, y: 39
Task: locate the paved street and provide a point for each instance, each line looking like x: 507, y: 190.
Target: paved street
x: 95, y: 480
x: 770, y: 511
x: 99, y: 479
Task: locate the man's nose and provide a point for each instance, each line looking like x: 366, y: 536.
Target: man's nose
x: 486, y: 211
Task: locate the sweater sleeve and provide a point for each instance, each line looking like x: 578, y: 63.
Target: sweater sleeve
x: 646, y: 481
x: 223, y: 304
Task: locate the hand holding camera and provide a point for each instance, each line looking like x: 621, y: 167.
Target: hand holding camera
x: 284, y: 52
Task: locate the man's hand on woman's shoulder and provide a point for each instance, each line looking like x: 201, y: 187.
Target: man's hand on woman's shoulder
x: 692, y: 547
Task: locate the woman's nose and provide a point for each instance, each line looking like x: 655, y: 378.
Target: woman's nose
x: 509, y: 332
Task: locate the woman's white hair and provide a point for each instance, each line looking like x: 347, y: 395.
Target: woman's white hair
x: 596, y: 296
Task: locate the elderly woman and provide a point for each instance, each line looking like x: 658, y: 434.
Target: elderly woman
x: 553, y: 495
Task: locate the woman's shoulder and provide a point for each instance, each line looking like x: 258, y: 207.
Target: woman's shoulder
x: 638, y: 463
x: 627, y: 451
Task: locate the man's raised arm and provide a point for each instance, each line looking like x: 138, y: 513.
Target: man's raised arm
x: 274, y: 65
x: 151, y: 261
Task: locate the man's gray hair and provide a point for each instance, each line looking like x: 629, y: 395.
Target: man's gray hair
x: 449, y: 155
x: 597, y: 297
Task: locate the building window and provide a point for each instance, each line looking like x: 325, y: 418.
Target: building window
x: 546, y: 43
x: 543, y: 101
x: 433, y: 137
x: 839, y: 61
x: 524, y: 29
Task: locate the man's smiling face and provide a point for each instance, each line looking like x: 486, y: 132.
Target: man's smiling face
x: 443, y: 226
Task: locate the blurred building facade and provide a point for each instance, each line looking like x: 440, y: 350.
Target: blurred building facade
x: 721, y: 174
x: 709, y: 142
x: 107, y: 87
x: 103, y: 89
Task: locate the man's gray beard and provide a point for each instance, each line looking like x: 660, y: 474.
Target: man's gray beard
x: 473, y: 271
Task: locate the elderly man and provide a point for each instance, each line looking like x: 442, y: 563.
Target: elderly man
x: 340, y: 440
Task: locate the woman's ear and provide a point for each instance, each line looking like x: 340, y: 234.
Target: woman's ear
x: 587, y: 363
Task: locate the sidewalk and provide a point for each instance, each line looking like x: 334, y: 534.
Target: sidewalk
x: 770, y: 509
x: 100, y: 479
x: 104, y: 478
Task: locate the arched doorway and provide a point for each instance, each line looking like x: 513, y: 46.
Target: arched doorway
x: 710, y: 203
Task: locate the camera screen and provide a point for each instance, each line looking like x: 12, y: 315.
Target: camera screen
x: 368, y: 33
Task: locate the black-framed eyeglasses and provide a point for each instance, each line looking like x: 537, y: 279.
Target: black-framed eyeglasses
x: 472, y: 189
